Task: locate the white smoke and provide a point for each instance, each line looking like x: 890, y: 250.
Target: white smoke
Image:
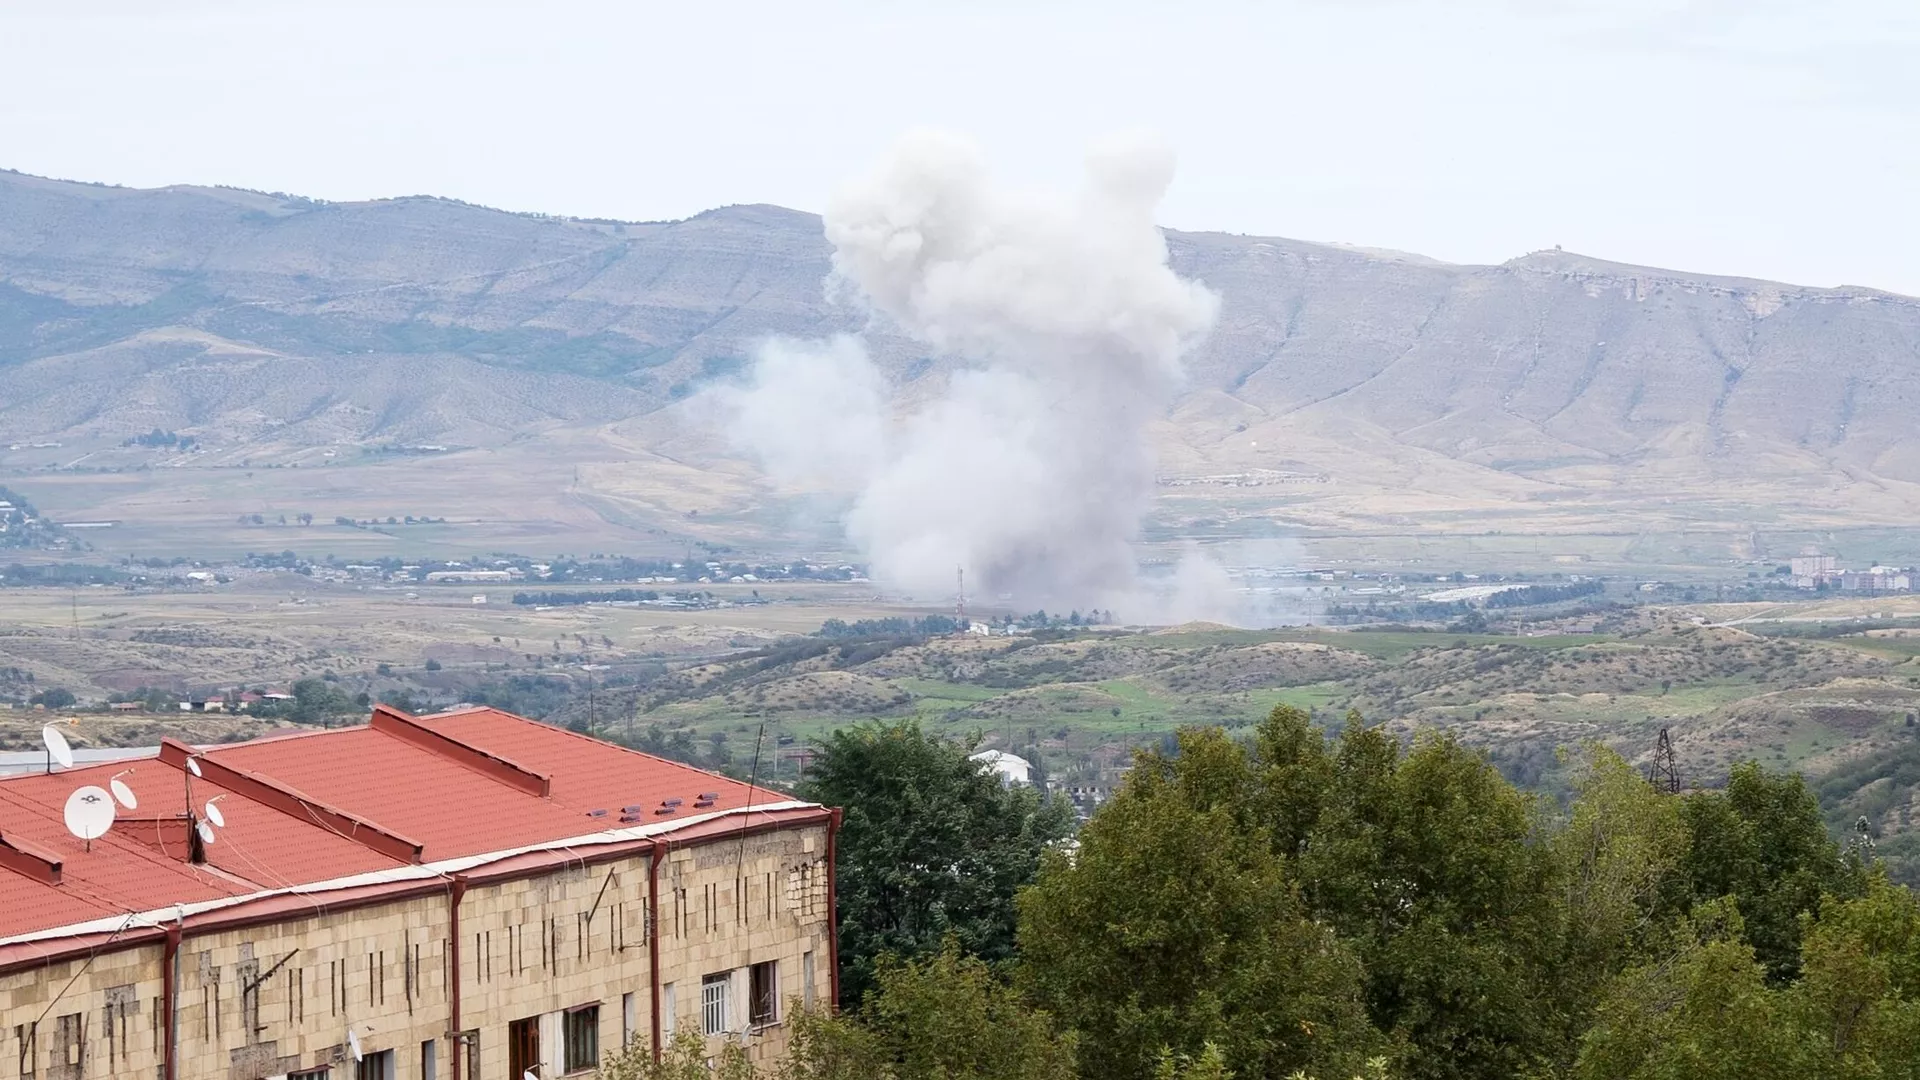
x: 1033, y: 471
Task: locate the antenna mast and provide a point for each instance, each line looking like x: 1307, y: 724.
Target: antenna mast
x: 960, y: 595
x: 1664, y: 774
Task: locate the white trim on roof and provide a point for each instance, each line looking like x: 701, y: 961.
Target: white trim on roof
x: 159, y: 917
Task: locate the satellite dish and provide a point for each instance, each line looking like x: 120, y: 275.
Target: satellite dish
x: 214, y: 815
x: 57, y: 746
x: 89, y: 813
x: 206, y: 832
x: 193, y: 766
x: 528, y: 1075
x: 124, y: 793
x: 353, y: 1043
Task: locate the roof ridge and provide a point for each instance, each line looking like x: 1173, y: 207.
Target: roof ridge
x: 613, y: 745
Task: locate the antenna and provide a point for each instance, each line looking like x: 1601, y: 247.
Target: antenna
x: 353, y: 1043
x: 1664, y: 774
x: 960, y: 596
x: 58, y: 749
x: 213, y: 812
x: 89, y: 814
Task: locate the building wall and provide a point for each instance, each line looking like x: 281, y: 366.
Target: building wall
x: 76, y: 1018
x: 262, y: 1001
x: 728, y: 905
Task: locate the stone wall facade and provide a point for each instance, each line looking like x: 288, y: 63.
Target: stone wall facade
x: 554, y: 962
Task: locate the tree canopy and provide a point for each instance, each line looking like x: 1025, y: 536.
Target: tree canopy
x: 932, y: 846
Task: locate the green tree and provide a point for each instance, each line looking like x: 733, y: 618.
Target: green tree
x: 1762, y: 842
x: 1432, y: 868
x: 317, y: 700
x: 932, y: 845
x: 58, y: 697
x: 1175, y: 926
x: 1702, y: 1011
x: 949, y: 1016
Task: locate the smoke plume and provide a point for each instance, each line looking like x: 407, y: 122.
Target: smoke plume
x: 1033, y: 470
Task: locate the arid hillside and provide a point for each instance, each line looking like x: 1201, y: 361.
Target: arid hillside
x: 437, y: 353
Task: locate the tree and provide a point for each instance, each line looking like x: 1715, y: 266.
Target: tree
x: 949, y: 1016
x: 1763, y: 843
x: 932, y: 845
x: 432, y: 664
x: 1430, y: 866
x: 317, y: 701
x: 1703, y: 1011
x: 1174, y: 926
x: 58, y: 697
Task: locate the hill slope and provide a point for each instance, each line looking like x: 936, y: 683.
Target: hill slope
x: 1344, y: 389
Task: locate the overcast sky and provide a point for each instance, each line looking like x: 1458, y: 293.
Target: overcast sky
x: 1754, y: 138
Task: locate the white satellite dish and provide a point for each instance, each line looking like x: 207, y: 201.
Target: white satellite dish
x: 206, y: 832
x: 57, y: 746
x: 353, y: 1043
x: 528, y: 1075
x: 124, y: 793
x: 89, y: 813
x: 214, y: 815
x: 193, y: 766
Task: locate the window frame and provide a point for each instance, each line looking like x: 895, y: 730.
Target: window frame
x: 580, y: 1024
x: 763, y: 995
x: 716, y: 994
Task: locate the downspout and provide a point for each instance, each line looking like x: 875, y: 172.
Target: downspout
x: 454, y: 894
x: 653, y: 939
x: 833, y: 912
x: 169, y: 983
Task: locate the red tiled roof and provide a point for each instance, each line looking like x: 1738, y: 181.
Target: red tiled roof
x: 319, y: 806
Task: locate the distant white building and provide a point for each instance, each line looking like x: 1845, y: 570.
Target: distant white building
x: 1011, y: 768
x: 1810, y: 569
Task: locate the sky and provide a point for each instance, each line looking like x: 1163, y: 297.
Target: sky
x: 1753, y: 138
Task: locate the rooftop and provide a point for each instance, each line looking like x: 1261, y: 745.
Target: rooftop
x: 401, y: 799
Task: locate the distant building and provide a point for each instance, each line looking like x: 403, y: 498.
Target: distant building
x: 1012, y: 769
x: 1811, y: 570
x: 453, y: 576
x: 1877, y: 580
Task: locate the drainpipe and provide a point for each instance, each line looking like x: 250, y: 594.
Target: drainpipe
x: 653, y: 939
x: 454, y: 893
x: 833, y: 911
x: 169, y: 984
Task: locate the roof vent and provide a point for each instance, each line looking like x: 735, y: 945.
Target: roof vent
x: 596, y: 813
x: 634, y: 809
x: 672, y: 802
x: 663, y: 811
x: 709, y: 796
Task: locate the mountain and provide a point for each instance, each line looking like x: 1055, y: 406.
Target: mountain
x: 549, y: 361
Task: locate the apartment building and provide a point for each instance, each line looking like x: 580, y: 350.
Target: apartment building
x: 462, y: 896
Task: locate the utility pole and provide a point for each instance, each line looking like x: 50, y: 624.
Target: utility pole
x: 1664, y: 774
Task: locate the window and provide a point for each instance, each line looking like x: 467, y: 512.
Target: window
x: 27, y: 1036
x: 763, y: 994
x: 374, y: 1065
x: 629, y: 1018
x: 806, y: 978
x: 70, y: 1045
x: 470, y: 1053
x: 429, y: 1060
x: 714, y: 991
x: 523, y: 1046
x: 582, y: 1034
x: 310, y: 1074
x: 668, y: 1011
